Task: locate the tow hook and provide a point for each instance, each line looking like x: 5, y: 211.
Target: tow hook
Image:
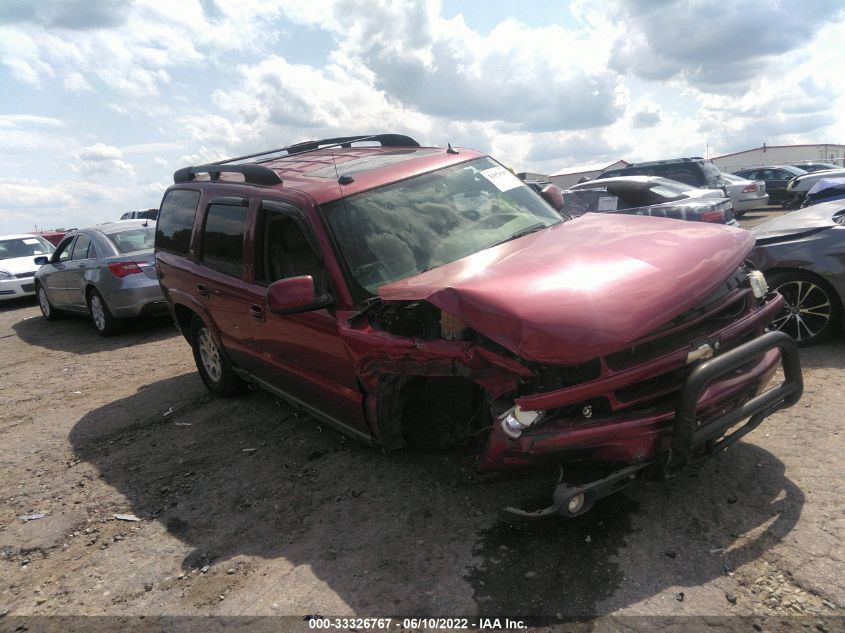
x: 572, y: 500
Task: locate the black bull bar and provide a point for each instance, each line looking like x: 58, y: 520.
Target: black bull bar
x: 688, y: 434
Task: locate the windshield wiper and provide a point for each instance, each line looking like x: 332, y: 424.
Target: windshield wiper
x: 523, y: 232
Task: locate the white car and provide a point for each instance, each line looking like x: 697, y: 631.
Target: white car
x: 17, y: 263
x: 745, y: 194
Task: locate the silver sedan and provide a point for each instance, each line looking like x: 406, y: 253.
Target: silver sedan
x: 106, y: 271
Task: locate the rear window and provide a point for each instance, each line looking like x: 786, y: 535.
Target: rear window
x: 136, y: 239
x: 223, y: 239
x: 176, y: 221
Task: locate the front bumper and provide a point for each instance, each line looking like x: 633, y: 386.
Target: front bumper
x: 715, y: 396
x: 695, y: 430
x: 19, y: 287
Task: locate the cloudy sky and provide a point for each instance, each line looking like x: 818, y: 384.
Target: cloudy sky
x: 101, y: 100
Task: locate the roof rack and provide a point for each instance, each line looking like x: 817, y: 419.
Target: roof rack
x: 253, y: 174
x: 386, y: 140
x: 260, y: 175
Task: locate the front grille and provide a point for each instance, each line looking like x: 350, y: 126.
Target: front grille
x: 652, y: 371
x: 25, y: 275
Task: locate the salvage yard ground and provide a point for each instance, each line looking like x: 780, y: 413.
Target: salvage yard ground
x: 246, y: 507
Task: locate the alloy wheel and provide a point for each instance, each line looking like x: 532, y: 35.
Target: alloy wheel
x: 807, y: 312
x: 210, y: 355
x: 43, y: 302
x: 98, y: 312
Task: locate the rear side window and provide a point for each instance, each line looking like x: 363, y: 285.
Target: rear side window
x: 223, y: 239
x: 176, y: 221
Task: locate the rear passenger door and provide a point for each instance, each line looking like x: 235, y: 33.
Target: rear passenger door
x: 301, y: 354
x: 221, y: 287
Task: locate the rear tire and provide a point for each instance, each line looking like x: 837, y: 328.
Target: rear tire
x: 104, y: 322
x: 213, y: 366
x: 813, y: 311
x: 47, y: 310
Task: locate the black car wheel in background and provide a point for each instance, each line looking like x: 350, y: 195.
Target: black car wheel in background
x: 812, y: 308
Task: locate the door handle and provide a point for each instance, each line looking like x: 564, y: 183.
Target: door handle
x: 257, y: 311
x: 202, y: 290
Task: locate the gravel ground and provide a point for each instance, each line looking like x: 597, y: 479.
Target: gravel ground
x: 246, y: 507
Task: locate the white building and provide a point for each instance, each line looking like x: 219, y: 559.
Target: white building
x: 770, y: 154
x: 565, y: 178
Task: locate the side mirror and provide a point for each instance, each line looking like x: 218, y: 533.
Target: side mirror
x: 294, y: 295
x: 40, y: 261
x: 553, y: 195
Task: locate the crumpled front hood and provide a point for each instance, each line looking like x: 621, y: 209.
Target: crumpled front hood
x: 811, y: 219
x: 584, y: 288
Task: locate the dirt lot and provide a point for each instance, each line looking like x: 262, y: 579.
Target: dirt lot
x: 248, y: 508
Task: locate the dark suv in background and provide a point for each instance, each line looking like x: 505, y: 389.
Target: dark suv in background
x: 696, y: 172
x: 426, y: 296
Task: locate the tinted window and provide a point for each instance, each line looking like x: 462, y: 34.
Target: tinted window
x: 173, y: 232
x: 283, y: 249
x: 223, y: 239
x: 80, y: 249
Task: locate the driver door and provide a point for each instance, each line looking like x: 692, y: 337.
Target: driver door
x: 301, y: 354
x: 55, y: 281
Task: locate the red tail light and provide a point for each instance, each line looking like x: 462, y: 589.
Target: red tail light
x: 713, y: 216
x: 752, y: 188
x: 121, y: 269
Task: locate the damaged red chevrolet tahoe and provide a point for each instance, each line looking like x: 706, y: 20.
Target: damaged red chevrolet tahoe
x: 426, y: 297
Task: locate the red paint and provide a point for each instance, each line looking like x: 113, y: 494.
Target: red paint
x: 290, y: 294
x: 571, y: 294
x: 584, y: 288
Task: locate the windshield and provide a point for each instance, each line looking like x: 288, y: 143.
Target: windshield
x: 25, y: 247
x: 135, y: 239
x: 411, y: 226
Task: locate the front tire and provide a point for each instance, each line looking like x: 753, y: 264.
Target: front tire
x: 213, y: 366
x: 812, y: 311
x: 47, y: 310
x: 104, y: 322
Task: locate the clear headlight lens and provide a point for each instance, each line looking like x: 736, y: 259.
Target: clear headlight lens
x: 758, y: 283
x: 6, y: 275
x: 517, y: 420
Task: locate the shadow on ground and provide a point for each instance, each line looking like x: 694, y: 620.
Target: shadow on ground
x: 827, y: 353
x: 76, y: 334
x: 390, y: 533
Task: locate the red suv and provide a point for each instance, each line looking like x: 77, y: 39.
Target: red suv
x: 425, y: 296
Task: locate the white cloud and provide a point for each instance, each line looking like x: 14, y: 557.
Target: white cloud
x: 115, y: 95
x: 30, y: 194
x: 104, y: 160
x: 76, y: 82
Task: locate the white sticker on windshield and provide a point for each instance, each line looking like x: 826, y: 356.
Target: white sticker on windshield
x: 608, y: 203
x: 31, y: 240
x: 501, y: 178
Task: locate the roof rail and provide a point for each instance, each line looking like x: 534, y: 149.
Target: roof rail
x: 253, y: 174
x: 386, y: 140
